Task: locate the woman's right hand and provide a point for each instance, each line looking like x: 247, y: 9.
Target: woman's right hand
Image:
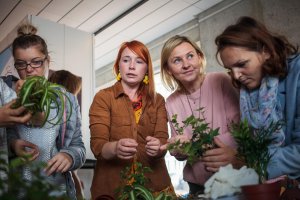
x: 126, y: 148
x: 10, y: 116
x: 175, y: 152
x: 23, y: 148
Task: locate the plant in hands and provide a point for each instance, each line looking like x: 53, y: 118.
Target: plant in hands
x: 39, y: 95
x: 201, y: 141
x: 253, y: 146
x: 14, y: 187
x: 134, y: 181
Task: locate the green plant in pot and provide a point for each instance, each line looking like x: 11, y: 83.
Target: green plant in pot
x: 201, y: 141
x: 253, y: 148
x: 134, y: 188
x: 39, y: 95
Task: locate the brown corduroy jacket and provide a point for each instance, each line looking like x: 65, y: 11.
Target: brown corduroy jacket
x: 112, y: 118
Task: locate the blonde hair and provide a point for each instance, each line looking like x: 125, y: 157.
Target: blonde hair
x: 168, y: 80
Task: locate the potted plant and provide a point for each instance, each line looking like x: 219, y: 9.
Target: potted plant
x: 253, y: 150
x: 39, y: 95
x: 201, y: 141
x: 134, y: 188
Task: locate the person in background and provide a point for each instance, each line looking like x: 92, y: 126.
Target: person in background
x: 72, y: 83
x: 128, y: 123
x: 60, y: 146
x: 183, y: 71
x: 266, y: 68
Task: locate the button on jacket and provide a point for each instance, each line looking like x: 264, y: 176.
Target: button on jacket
x: 111, y: 119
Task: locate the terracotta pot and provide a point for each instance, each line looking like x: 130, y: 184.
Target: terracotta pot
x: 270, y: 191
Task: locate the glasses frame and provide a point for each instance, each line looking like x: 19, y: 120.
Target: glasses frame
x: 22, y: 68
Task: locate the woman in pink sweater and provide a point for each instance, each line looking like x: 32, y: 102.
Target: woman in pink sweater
x: 183, y: 71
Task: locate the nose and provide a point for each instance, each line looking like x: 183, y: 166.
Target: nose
x: 236, y: 73
x: 185, y: 63
x: 132, y: 65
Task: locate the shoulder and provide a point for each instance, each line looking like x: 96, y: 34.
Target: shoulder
x: 175, y: 96
x: 294, y: 63
x: 217, y: 76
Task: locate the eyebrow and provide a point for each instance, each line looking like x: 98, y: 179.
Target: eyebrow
x: 30, y: 60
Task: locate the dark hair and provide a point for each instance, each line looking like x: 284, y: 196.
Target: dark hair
x: 27, y: 37
x: 70, y: 81
x: 254, y: 36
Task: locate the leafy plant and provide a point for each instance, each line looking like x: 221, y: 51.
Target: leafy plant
x: 13, y: 186
x: 253, y: 146
x: 39, y: 95
x: 134, y: 181
x: 201, y: 141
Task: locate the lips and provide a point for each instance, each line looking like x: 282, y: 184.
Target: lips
x: 131, y: 75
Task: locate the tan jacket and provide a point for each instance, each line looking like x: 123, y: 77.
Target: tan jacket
x: 112, y: 118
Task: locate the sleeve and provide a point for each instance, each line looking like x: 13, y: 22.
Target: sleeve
x: 99, y: 122
x: 231, y: 105
x: 7, y: 93
x: 161, y: 125
x: 170, y: 113
x: 74, y: 145
x: 285, y: 159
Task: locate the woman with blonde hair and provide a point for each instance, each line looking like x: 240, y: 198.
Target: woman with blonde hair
x: 183, y: 71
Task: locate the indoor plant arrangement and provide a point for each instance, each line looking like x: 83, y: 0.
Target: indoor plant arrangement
x: 134, y: 181
x: 201, y: 141
x: 253, y: 151
x: 39, y: 95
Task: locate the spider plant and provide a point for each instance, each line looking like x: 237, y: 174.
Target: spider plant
x: 134, y: 181
x: 201, y: 141
x: 39, y: 95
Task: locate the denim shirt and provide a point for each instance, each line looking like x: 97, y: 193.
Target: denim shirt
x: 285, y: 159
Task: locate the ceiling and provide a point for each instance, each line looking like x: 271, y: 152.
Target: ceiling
x: 112, y: 21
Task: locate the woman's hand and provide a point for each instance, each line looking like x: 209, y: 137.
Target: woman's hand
x: 10, y: 116
x: 19, y: 85
x: 222, y: 155
x: 175, y: 152
x: 152, y: 146
x: 126, y: 148
x: 23, y: 148
x: 61, y: 162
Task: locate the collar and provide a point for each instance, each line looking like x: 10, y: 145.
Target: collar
x: 118, y: 89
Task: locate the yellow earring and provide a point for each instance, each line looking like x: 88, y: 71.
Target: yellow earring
x: 119, y: 77
x: 146, y: 79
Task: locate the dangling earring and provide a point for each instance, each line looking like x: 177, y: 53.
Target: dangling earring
x: 119, y: 77
x: 146, y: 79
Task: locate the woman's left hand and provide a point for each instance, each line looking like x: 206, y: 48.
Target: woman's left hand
x: 152, y: 146
x: 61, y: 162
x: 222, y: 155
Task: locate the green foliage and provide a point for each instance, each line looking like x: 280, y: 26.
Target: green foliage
x: 134, y: 181
x: 253, y: 146
x: 39, y: 95
x: 201, y: 141
x: 13, y: 186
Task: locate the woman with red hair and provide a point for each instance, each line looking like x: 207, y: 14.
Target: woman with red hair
x: 128, y: 123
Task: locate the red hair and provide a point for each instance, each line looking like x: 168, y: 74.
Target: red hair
x: 142, y: 51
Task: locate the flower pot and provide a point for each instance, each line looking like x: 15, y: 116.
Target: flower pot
x: 270, y: 191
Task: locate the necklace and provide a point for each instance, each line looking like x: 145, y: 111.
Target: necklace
x: 194, y: 100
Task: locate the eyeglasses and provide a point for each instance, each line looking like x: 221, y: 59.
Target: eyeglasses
x: 19, y: 65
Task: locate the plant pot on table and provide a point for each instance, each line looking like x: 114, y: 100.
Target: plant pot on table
x: 267, y: 191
